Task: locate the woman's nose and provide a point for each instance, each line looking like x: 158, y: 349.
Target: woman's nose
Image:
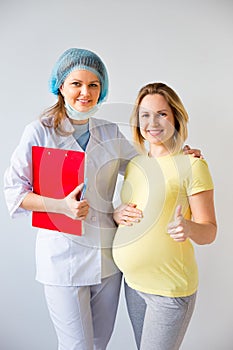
x: 84, y: 90
x: 155, y: 120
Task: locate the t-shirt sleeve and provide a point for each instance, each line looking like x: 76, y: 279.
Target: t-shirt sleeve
x: 199, y: 178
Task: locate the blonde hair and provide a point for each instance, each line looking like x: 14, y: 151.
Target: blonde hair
x: 180, y: 115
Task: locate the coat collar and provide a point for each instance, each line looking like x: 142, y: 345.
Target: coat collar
x: 96, y: 127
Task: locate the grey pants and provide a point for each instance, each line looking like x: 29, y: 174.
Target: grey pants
x: 159, y: 323
x: 136, y: 307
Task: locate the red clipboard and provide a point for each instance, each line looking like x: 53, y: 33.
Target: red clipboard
x: 56, y: 172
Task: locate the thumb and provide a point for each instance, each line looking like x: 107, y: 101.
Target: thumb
x: 76, y: 190
x: 178, y: 212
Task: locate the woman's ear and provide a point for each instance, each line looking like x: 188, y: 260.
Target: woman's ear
x: 61, y: 89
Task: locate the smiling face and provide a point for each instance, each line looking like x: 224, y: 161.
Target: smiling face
x: 156, y: 121
x: 81, y: 90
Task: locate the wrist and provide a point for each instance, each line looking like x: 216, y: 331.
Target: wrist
x: 53, y: 205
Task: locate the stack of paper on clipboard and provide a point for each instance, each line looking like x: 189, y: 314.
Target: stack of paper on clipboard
x: 56, y: 172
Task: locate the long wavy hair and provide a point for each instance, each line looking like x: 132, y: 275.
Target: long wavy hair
x: 58, y: 112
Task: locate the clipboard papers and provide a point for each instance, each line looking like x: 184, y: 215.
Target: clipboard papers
x: 56, y: 172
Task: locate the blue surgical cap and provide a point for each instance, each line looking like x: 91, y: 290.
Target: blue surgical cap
x: 81, y: 59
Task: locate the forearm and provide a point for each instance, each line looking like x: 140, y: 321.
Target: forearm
x: 201, y: 233
x: 68, y: 206
x: 201, y: 229
x: 35, y: 202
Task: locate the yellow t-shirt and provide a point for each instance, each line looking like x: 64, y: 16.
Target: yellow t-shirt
x: 152, y: 262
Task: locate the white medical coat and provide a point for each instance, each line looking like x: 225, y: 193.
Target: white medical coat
x: 64, y: 259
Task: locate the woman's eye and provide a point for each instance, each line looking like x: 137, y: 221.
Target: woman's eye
x: 161, y: 115
x: 144, y: 115
x: 76, y: 83
x: 94, y: 85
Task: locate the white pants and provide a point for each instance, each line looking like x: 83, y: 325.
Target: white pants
x: 84, y: 317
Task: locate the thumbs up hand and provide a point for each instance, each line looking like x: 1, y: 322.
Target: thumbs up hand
x: 178, y: 229
x: 73, y: 208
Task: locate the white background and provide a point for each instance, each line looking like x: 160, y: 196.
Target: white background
x: 186, y: 44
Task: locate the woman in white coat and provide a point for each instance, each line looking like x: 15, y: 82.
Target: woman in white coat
x: 81, y: 281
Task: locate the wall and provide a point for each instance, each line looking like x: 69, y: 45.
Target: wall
x: 187, y: 44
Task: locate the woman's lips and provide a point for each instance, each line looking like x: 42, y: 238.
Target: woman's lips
x: 155, y: 133
x: 84, y: 102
